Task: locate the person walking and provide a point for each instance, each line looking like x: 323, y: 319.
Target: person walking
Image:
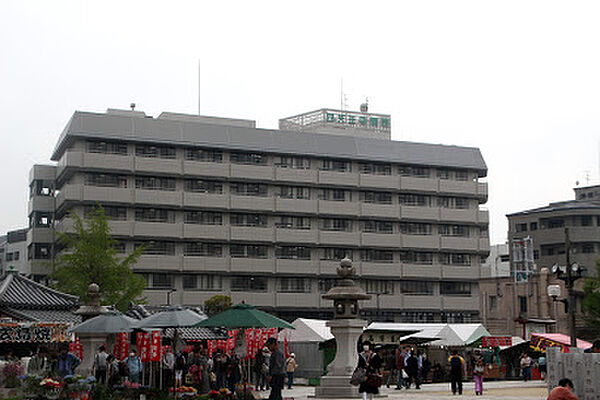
x: 113, y: 374
x: 478, y: 371
x: 276, y: 374
x: 180, y: 367
x: 134, y: 367
x: 67, y: 362
x: 290, y: 368
x: 371, y: 362
x: 261, y: 368
x: 542, y: 367
x: 390, y: 366
x: 525, y: 364
x: 38, y: 364
x: 564, y: 391
x: 412, y: 370
x: 100, y: 365
x: 457, y: 367
x: 220, y: 367
x: 400, y: 366
x: 168, y: 368
x: 198, y: 363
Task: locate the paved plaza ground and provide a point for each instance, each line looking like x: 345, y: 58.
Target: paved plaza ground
x: 509, y: 390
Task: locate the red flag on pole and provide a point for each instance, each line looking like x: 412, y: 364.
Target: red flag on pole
x: 155, y: 346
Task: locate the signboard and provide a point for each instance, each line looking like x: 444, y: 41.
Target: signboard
x: 496, y: 341
x: 357, y: 119
x: 33, y: 332
x: 540, y: 344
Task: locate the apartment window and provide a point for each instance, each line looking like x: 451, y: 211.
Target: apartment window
x: 454, y: 230
x: 556, y: 223
x: 455, y: 259
x: 161, y: 281
x: 461, y: 203
x: 483, y: 231
x: 335, y: 165
x: 105, y: 180
x: 42, y: 251
x: 461, y: 175
x: 204, y: 155
x: 248, y: 284
x: 248, y: 189
x: 248, y: 158
x: 156, y: 247
x: 326, y: 284
x: 336, y: 224
x: 95, y: 146
x: 533, y: 226
x: 335, y: 195
x: 248, y: 251
x: 522, y: 304
x: 335, y: 253
x: 40, y: 188
x: 202, y: 282
x: 378, y: 256
x: 289, y: 222
x: 151, y: 151
x: 586, y: 220
x: 154, y: 215
x: 416, y: 287
x: 455, y: 288
x: 536, y: 255
x: 375, y: 168
x: 377, y: 226
x: 203, y: 186
x: 294, y: 192
x: 521, y: 227
x: 373, y: 286
x: 548, y: 250
x: 120, y: 246
x: 376, y: 197
x: 114, y: 213
x: 409, y: 228
x: 587, y: 248
x: 292, y: 252
x: 256, y: 220
x: 294, y: 285
x: 416, y: 257
x: 155, y: 183
x: 493, y: 303
x: 199, y: 249
x: 203, y: 218
x: 415, y: 171
x: 417, y: 200
x: 505, y: 258
x: 293, y: 162
x: 453, y: 202
x: 41, y: 220
x: 443, y: 174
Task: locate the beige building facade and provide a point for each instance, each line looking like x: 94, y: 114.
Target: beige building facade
x: 265, y: 215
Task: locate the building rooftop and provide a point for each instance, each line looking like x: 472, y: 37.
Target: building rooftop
x: 25, y: 299
x: 562, y: 206
x: 192, y: 132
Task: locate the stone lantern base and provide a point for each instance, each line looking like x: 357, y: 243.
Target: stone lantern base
x: 336, y: 385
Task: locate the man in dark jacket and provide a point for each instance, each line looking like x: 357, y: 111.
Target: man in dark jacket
x: 276, y: 375
x: 412, y: 370
x: 457, y: 367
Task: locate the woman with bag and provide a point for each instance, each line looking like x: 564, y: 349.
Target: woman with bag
x: 371, y: 363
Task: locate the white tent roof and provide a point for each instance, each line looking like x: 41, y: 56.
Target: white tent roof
x: 469, y: 333
x: 307, y: 330
x: 448, y: 334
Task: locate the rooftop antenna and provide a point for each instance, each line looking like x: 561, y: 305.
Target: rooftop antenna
x: 343, y: 97
x: 364, y: 107
x: 199, y: 87
x: 132, y: 105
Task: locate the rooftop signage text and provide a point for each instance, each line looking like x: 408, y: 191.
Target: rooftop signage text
x: 358, y: 119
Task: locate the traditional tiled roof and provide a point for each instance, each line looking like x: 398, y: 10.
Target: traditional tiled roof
x: 25, y: 299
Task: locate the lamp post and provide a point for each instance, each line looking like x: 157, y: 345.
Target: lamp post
x: 569, y: 274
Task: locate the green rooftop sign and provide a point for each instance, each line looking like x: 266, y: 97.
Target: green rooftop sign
x: 358, y: 119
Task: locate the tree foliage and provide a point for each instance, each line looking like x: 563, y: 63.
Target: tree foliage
x: 591, y: 299
x: 90, y: 256
x: 216, y: 304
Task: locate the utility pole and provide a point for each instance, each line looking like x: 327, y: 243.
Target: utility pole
x: 569, y: 283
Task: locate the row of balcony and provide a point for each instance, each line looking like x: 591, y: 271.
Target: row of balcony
x: 557, y: 235
x: 302, y: 267
x: 307, y: 301
x: 80, y: 192
x: 130, y: 164
x: 227, y: 233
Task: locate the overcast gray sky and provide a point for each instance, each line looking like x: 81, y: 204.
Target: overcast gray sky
x: 518, y: 79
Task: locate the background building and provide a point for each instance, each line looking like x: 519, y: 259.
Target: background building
x: 530, y: 309
x: 266, y: 215
x: 497, y: 264
x: 13, y: 252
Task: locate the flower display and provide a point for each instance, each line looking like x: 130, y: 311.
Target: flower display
x: 50, y: 383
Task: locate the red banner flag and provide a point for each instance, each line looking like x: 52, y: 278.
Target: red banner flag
x: 155, y: 346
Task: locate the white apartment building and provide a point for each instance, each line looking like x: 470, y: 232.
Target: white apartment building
x: 265, y: 215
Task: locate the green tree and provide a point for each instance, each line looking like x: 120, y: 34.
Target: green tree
x: 591, y: 299
x: 216, y: 304
x: 90, y: 256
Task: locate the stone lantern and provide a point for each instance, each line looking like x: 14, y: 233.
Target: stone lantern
x: 346, y: 327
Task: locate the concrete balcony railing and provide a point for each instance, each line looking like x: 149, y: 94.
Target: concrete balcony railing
x: 338, y: 178
x: 459, y: 243
x: 296, y: 235
x: 252, y: 234
x: 459, y: 215
x: 208, y: 169
x: 458, y: 187
x: 433, y: 271
x: 379, y: 181
x: 375, y: 269
x: 107, y: 194
x: 379, y: 210
x: 296, y: 205
x: 158, y: 229
x: 420, y: 213
x: 252, y: 203
x: 158, y: 165
x: 380, y: 240
x: 482, y: 191
x: 419, y: 184
x: 427, y: 302
x: 460, y: 271
x: 329, y: 267
x: 206, y: 264
x: 351, y: 239
x: 252, y: 265
x: 293, y: 299
x: 460, y: 302
x: 41, y: 203
x: 483, y: 216
x: 159, y: 263
x: 296, y: 267
x: 254, y: 172
x: 158, y: 197
x: 208, y: 200
x: 111, y: 162
x: 427, y: 242
x: 196, y: 231
x: 338, y: 208
x: 296, y: 175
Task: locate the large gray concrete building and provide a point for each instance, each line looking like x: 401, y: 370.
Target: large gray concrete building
x: 265, y: 215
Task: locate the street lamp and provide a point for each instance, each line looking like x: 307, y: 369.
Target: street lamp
x: 568, y: 273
